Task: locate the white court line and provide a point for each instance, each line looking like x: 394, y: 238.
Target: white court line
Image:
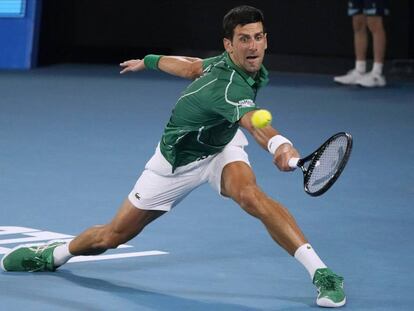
x: 40, y: 236
x: 116, y: 256
x: 4, y: 250
x: 35, y: 237
x: 15, y: 230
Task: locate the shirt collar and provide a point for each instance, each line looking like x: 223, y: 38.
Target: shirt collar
x: 261, y: 78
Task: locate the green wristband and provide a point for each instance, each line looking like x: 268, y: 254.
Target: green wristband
x: 151, y: 61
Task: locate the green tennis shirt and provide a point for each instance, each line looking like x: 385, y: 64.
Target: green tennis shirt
x: 205, y: 118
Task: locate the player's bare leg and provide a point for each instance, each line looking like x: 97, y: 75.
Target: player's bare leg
x: 128, y: 223
x: 239, y: 183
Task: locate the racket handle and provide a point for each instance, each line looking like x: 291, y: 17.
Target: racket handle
x: 293, y: 162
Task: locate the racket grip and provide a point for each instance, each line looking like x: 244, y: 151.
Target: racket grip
x: 293, y: 162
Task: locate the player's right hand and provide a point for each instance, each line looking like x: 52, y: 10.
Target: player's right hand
x: 132, y: 65
x: 282, y: 156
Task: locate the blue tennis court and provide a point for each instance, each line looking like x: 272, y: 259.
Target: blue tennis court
x: 74, y: 139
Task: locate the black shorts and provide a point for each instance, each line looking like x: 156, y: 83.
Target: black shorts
x: 368, y: 7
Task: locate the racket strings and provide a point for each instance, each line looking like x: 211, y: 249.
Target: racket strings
x: 326, y: 165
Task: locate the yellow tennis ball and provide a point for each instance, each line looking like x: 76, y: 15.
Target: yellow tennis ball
x: 261, y: 118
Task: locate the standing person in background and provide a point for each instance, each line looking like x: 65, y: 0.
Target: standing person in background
x: 367, y: 14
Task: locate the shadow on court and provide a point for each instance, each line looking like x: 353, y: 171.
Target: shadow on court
x: 147, y: 298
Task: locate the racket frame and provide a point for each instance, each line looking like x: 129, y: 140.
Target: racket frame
x: 314, y: 158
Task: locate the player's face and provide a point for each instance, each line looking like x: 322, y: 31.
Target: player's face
x: 247, y: 48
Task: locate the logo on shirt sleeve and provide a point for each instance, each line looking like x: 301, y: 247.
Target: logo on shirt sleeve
x: 246, y: 103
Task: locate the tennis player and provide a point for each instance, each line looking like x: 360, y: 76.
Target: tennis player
x: 201, y: 144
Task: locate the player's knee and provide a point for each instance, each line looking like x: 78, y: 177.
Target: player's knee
x: 253, y: 200
x: 110, y: 242
x: 111, y: 239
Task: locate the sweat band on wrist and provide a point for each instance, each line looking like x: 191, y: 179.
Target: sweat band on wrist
x: 275, y: 143
x: 151, y: 61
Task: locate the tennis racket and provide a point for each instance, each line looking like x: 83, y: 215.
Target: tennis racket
x: 323, y: 167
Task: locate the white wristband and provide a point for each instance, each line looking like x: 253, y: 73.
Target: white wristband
x: 275, y: 143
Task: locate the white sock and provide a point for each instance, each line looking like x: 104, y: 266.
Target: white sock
x: 309, y: 259
x: 377, y: 68
x: 361, y: 66
x: 61, y: 255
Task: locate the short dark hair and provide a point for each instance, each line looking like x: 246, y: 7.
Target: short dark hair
x: 240, y: 15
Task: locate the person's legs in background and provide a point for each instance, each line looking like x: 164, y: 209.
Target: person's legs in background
x: 375, y: 77
x: 359, y: 25
x: 367, y: 15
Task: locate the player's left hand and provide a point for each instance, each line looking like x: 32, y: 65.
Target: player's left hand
x: 132, y: 65
x: 282, y: 156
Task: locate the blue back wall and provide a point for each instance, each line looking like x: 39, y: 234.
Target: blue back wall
x: 19, y: 38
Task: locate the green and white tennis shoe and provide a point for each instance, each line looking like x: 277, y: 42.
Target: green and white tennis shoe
x: 330, y: 288
x: 30, y: 258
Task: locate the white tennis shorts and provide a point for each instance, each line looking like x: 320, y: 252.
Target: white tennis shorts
x: 159, y: 189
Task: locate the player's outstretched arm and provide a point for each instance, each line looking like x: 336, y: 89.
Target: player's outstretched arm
x: 262, y: 136
x: 180, y: 66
